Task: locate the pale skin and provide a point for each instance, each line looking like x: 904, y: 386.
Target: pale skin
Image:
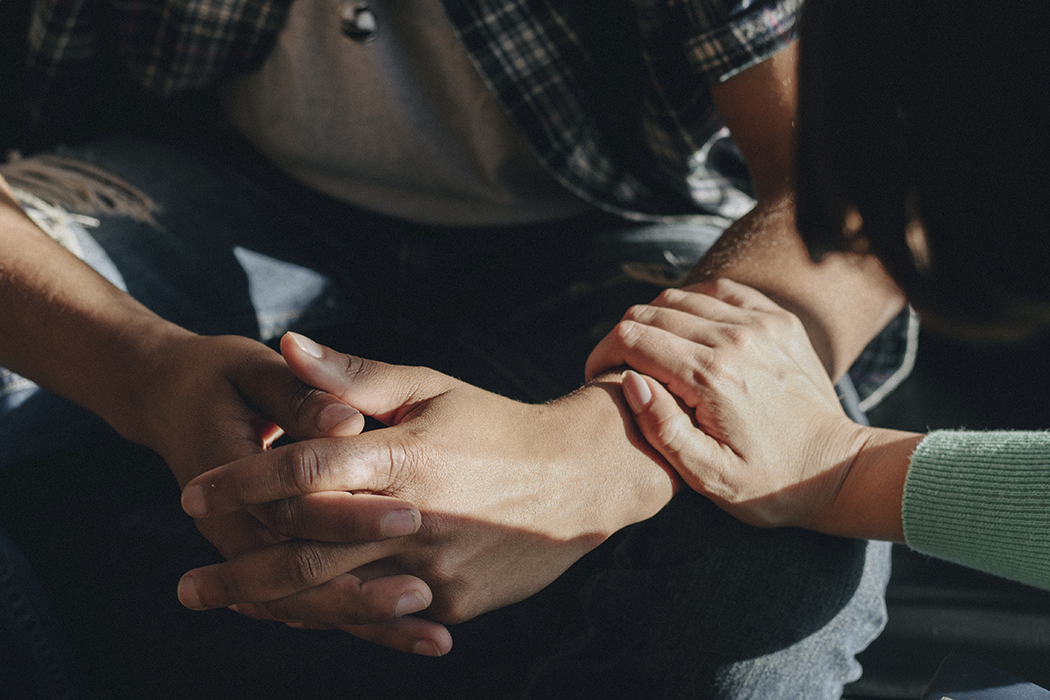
x: 417, y: 544
x: 734, y: 397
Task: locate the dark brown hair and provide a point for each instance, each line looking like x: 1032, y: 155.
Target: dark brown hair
x: 931, y: 116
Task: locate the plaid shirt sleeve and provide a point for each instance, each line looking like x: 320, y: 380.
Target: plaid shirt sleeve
x: 736, y: 35
x: 77, y: 50
x: 165, y: 46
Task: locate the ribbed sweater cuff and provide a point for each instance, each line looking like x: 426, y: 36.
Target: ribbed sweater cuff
x: 982, y: 499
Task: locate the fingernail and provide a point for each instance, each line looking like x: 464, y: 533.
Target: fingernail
x: 399, y: 523
x: 193, y: 501
x: 410, y: 603
x: 188, y: 594
x: 334, y: 414
x: 425, y: 647
x: 636, y: 391
x: 306, y: 345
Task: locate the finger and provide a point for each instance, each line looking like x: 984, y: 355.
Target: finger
x: 234, y: 534
x: 412, y: 635
x: 363, y: 463
x: 698, y: 305
x: 670, y: 429
x: 308, y: 626
x: 735, y: 294
x: 386, y: 392
x: 347, y: 600
x: 697, y: 318
x: 300, y: 410
x: 661, y: 354
x: 278, y: 571
x: 338, y: 516
x: 327, y: 415
x: 689, y: 315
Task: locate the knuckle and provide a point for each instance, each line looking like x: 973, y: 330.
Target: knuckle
x: 628, y: 332
x: 279, y: 610
x: 365, y: 608
x: 401, y: 461
x: 768, y: 324
x: 285, y: 517
x: 719, y: 284
x: 734, y: 335
x: 304, y: 565
x: 299, y: 400
x: 723, y: 288
x: 666, y: 433
x: 670, y: 296
x: 790, y: 320
x: 709, y: 369
x: 358, y: 368
x: 305, y: 469
x: 453, y: 611
x: 221, y: 590
x: 637, y: 312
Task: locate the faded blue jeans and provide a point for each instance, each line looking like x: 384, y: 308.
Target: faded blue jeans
x: 688, y: 604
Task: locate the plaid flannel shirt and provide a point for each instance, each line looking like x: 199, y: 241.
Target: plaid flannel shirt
x: 613, y: 95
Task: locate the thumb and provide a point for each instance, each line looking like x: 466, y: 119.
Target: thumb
x: 667, y: 426
x: 385, y: 392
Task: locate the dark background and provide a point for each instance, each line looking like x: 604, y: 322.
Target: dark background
x: 938, y: 608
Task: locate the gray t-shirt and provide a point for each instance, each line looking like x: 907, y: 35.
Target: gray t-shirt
x: 402, y: 125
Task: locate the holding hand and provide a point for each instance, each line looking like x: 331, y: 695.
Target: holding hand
x: 737, y: 401
x: 510, y: 496
x: 224, y: 398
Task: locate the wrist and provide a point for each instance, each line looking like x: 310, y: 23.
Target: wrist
x: 867, y: 504
x: 622, y: 479
x: 69, y: 329
x: 144, y: 356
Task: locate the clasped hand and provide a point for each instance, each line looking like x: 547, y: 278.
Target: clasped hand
x: 502, y: 504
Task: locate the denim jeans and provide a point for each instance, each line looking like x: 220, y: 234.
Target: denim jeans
x: 690, y: 603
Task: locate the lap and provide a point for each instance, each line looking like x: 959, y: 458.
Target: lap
x: 689, y: 604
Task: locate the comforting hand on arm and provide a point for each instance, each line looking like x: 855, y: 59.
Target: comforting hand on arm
x: 763, y: 434
x: 773, y: 445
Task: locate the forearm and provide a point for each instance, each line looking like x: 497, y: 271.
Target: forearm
x: 68, y: 328
x: 974, y: 498
x: 843, y: 301
x: 635, y: 482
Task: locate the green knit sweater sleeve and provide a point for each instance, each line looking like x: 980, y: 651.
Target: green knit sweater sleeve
x: 982, y: 499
